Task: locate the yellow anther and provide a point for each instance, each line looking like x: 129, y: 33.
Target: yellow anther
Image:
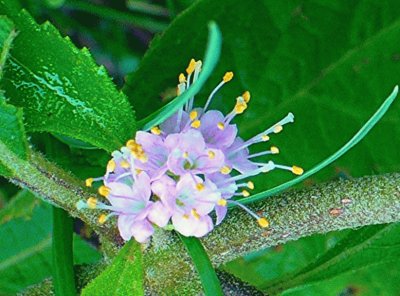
x: 104, y: 190
x: 102, y: 218
x: 263, y: 222
x: 245, y: 193
x: 130, y: 144
x: 193, y: 115
x: 182, y: 78
x: 195, y: 214
x: 155, y: 130
x: 240, y: 105
x: 124, y: 164
x: 246, y: 96
x: 143, y: 157
x: 274, y: 150
x: 265, y: 138
x: 221, y: 126
x: 196, y: 124
x: 111, y: 165
x: 92, y: 202
x: 211, y: 154
x: 185, y: 155
x: 191, y: 67
x: 278, y: 129
x: 200, y: 186
x: 225, y: 170
x: 297, y: 170
x: 222, y: 202
x: 228, y: 76
x: 250, y: 185
x: 186, y: 216
x: 138, y: 171
x: 89, y: 182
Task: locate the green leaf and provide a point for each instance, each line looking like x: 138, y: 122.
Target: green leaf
x: 210, y: 61
x: 7, y: 35
x: 292, y: 58
x: 123, y: 277
x: 12, y: 134
x: 297, y: 265
x: 208, y: 277
x: 26, y: 245
x: 350, y: 144
x: 60, y: 87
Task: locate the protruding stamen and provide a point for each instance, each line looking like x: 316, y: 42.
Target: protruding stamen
x: 211, y: 154
x: 111, y: 165
x: 155, y: 130
x: 195, y: 214
x: 104, y: 190
x: 91, y: 202
x: 193, y: 115
x: 182, y: 78
x: 250, y: 185
x: 245, y: 193
x: 240, y: 105
x: 225, y: 170
x: 221, y: 126
x: 102, y: 218
x: 246, y: 96
x: 196, y: 124
x: 191, y: 67
x: 227, y: 77
x: 222, y: 202
x: 265, y: 138
x: 186, y: 216
x: 89, y: 182
x: 185, y: 155
x: 263, y: 222
x: 297, y: 170
x: 274, y: 150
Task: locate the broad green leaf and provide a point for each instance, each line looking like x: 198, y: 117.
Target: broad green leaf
x: 293, y: 266
x: 7, y: 35
x: 123, y: 277
x: 26, y: 246
x: 12, y: 133
x: 208, y: 277
x: 293, y: 58
x: 60, y: 87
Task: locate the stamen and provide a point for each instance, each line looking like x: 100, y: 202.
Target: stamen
x: 278, y: 129
x: 221, y: 126
x: 211, y: 154
x: 186, y: 216
x: 297, y: 170
x: 155, y: 130
x: 227, y: 77
x: 195, y: 214
x: 200, y: 186
x: 246, y: 96
x: 193, y: 115
x: 182, y: 78
x: 222, y: 202
x: 124, y: 164
x: 111, y: 165
x: 185, y: 155
x: 191, y: 67
x: 196, y: 124
x: 245, y: 193
x: 274, y: 150
x: 265, y: 138
x: 102, y: 218
x: 89, y: 182
x: 250, y: 185
x: 263, y: 222
x: 91, y: 202
x: 104, y: 190
x: 240, y: 105
x: 225, y: 170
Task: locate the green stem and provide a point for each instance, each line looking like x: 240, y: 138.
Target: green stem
x: 63, y: 263
x: 208, y: 277
x: 119, y: 16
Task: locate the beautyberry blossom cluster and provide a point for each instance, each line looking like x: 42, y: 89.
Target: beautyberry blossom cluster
x: 184, y: 172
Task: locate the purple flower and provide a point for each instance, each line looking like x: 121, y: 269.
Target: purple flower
x: 184, y: 173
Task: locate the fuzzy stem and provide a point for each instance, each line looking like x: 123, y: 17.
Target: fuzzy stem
x: 297, y: 213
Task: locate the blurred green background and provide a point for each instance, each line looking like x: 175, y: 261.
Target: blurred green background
x: 331, y: 63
